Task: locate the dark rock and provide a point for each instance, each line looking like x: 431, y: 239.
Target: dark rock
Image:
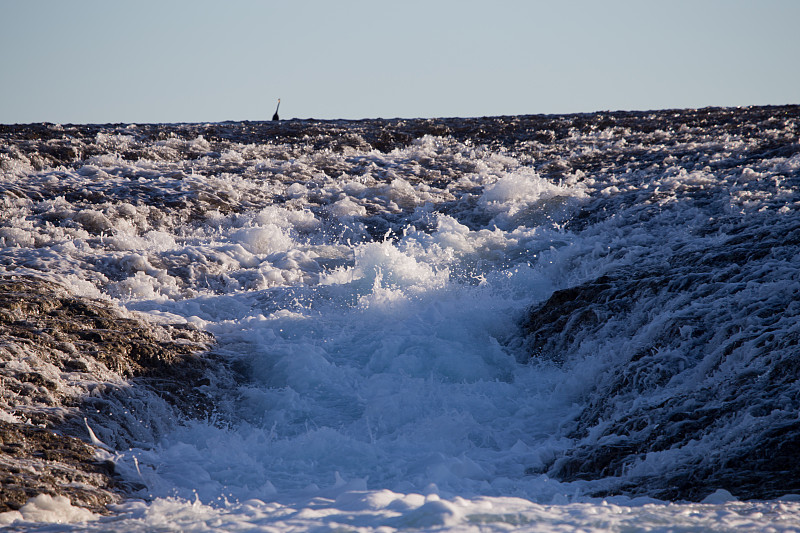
x: 701, y: 367
x: 65, y: 360
x: 36, y: 461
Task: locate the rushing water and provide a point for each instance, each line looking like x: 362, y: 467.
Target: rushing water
x: 369, y: 282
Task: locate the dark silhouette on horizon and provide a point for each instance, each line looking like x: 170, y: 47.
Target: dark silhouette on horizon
x: 275, y: 116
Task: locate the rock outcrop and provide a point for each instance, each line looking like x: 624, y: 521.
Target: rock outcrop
x: 700, y: 368
x: 68, y: 364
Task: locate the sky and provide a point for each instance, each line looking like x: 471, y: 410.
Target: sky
x: 166, y: 61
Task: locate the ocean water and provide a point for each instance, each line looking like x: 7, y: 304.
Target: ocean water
x: 369, y: 284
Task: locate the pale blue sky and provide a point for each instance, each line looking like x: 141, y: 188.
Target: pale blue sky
x: 96, y: 61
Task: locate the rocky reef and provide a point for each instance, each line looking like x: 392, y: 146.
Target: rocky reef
x: 669, y: 272
x: 69, y: 364
x: 700, y: 356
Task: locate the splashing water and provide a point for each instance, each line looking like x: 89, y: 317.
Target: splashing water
x: 371, y: 301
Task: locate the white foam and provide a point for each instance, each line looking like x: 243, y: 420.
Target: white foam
x: 385, y: 511
x: 48, y: 509
x: 382, y: 392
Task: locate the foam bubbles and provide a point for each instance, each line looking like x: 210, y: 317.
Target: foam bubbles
x: 45, y: 508
x: 266, y: 239
x: 370, y: 300
x: 347, y: 208
x: 521, y: 199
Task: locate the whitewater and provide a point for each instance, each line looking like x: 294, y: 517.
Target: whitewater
x: 379, y: 294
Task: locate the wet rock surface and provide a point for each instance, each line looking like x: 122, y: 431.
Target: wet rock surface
x: 35, y: 460
x: 67, y: 363
x: 700, y: 381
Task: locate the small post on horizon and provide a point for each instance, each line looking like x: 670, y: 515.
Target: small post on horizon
x: 275, y: 116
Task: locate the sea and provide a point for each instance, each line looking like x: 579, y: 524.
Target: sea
x: 467, y: 324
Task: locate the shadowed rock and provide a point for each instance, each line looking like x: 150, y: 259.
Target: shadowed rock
x: 36, y: 460
x: 65, y: 359
x: 700, y: 379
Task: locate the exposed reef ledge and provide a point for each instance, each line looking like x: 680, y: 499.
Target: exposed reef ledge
x: 68, y: 362
x: 700, y: 380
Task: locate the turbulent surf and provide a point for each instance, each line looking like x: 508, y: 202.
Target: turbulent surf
x: 583, y: 321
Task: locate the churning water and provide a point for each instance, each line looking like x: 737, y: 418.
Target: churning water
x: 375, y: 286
